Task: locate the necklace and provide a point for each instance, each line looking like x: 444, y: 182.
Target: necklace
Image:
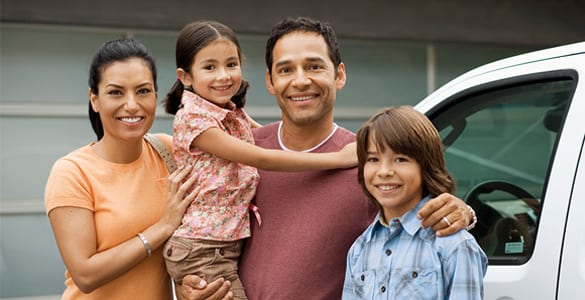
x: 335, y: 126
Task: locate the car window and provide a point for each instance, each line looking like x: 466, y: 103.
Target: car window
x: 499, y: 142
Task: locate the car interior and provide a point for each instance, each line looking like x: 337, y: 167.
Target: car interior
x: 500, y: 143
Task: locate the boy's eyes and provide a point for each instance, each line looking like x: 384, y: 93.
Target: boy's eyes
x: 371, y: 159
x: 402, y: 159
x: 398, y: 159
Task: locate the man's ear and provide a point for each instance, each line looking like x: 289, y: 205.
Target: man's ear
x: 93, y: 101
x: 184, y: 77
x: 341, y: 76
x: 269, y: 86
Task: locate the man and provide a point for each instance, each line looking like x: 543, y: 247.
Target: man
x: 310, y: 219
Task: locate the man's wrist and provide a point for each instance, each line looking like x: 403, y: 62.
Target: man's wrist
x: 473, y: 218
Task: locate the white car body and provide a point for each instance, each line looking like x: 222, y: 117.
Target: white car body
x: 555, y: 266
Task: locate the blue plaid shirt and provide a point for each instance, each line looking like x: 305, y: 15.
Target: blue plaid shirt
x: 404, y: 261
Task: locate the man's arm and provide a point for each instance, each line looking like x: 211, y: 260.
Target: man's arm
x: 457, y: 213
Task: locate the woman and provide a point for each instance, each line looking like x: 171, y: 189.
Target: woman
x: 112, y: 203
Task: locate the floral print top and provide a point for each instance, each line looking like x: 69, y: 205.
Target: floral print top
x: 220, y: 210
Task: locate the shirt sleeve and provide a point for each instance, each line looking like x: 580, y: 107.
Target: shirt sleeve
x: 67, y: 186
x: 189, y: 125
x: 464, y: 271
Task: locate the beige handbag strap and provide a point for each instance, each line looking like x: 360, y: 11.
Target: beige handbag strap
x: 162, y: 150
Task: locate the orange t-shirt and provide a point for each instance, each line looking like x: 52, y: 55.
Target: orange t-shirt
x: 125, y: 199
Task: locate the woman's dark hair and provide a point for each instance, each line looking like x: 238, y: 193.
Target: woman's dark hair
x: 303, y: 24
x: 409, y: 132
x: 192, y: 38
x: 107, y: 54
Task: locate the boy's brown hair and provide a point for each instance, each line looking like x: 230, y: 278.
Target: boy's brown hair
x: 409, y: 132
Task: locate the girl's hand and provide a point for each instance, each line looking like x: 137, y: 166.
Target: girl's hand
x: 177, y: 201
x: 348, y: 155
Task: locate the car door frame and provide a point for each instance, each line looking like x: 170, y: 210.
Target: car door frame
x: 538, y: 277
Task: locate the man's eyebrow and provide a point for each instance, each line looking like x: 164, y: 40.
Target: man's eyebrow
x: 281, y: 63
x: 316, y: 59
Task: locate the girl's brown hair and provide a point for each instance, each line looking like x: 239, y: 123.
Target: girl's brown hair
x: 192, y: 38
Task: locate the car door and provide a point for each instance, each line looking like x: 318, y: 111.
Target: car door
x: 513, y: 137
x: 572, y: 274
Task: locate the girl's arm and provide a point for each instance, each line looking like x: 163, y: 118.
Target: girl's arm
x: 215, y: 141
x: 75, y: 233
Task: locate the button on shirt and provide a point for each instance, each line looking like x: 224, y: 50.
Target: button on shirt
x: 402, y: 260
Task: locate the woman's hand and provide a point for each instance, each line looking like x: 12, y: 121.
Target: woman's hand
x: 445, y: 206
x: 195, y: 288
x: 177, y: 201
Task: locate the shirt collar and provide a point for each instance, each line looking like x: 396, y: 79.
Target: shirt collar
x: 189, y: 99
x: 410, y: 223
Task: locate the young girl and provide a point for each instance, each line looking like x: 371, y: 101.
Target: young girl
x: 213, y: 134
x: 401, y: 166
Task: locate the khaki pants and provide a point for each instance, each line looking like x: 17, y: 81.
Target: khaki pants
x: 207, y: 259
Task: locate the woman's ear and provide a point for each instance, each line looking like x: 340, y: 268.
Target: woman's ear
x: 93, y: 101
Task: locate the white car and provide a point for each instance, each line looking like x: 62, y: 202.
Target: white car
x: 514, y: 135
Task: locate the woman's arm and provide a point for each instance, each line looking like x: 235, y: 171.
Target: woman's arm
x: 221, y: 144
x: 75, y: 233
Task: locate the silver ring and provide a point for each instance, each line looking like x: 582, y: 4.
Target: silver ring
x: 446, y: 221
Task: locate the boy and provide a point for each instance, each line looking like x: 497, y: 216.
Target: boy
x: 400, y: 167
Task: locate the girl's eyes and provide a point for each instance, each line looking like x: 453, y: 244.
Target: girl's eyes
x: 209, y: 68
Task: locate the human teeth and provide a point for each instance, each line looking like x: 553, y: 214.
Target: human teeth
x: 301, y: 98
x: 131, y: 120
x: 387, y: 187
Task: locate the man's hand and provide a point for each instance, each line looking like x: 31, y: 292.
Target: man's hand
x: 446, y: 214
x: 195, y: 288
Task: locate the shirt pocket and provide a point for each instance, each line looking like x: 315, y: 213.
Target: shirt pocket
x: 416, y: 283
x: 362, y: 285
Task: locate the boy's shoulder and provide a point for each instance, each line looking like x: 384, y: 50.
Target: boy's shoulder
x: 447, y: 244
